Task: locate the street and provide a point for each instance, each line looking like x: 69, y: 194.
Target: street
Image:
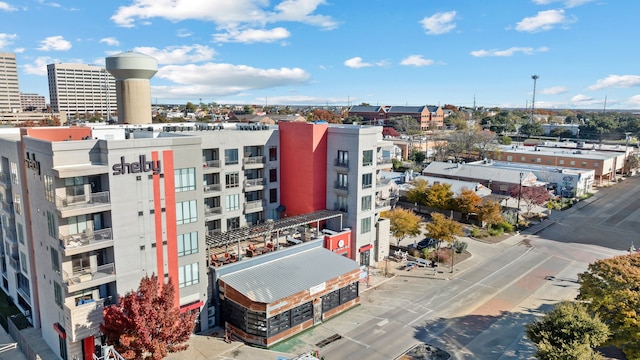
x: 480, y: 311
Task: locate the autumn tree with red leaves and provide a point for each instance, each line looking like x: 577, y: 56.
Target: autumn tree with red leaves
x: 531, y: 195
x: 146, y: 324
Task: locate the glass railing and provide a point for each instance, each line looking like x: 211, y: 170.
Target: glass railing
x: 86, y: 238
x: 86, y: 200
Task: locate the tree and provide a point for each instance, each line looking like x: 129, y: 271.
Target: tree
x: 439, y: 196
x: 531, y: 129
x: 403, y: 223
x: 567, y: 332
x: 418, y: 193
x: 418, y: 156
x: 190, y: 107
x: 146, y: 324
x: 404, y: 124
x: 531, y: 195
x: 468, y: 201
x: 611, y: 289
x: 442, y: 228
x: 489, y: 213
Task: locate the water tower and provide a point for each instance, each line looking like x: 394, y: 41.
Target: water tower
x: 132, y: 71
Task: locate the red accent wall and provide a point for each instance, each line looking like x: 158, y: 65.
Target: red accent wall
x: 332, y: 242
x: 170, y: 216
x: 303, y: 166
x: 57, y: 134
x: 157, y: 212
x: 88, y: 348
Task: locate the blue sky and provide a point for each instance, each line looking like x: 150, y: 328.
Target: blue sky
x: 339, y: 52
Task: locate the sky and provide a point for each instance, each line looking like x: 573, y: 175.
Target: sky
x: 345, y: 52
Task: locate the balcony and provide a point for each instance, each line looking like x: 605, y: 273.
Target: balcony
x: 5, y: 181
x: 14, y: 262
x: 89, y: 277
x: 83, y: 204
x: 212, y: 211
x: 384, y: 163
x: 211, y: 164
x: 10, y: 234
x: 7, y: 208
x: 253, y: 162
x: 254, y: 184
x: 86, y: 241
x: 253, y: 206
x: 341, y: 186
x: 341, y: 164
x: 383, y: 204
x: 340, y: 207
x: 83, y: 320
x: 214, y: 232
x: 212, y: 187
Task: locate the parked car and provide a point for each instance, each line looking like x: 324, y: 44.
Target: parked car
x: 425, y: 243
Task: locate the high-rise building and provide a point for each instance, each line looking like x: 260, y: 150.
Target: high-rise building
x: 81, y: 90
x: 32, y: 102
x: 9, y: 90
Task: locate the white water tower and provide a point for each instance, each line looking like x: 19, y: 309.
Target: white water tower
x: 132, y: 71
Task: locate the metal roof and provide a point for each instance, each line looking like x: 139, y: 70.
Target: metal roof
x: 269, y: 227
x: 479, y: 172
x: 288, y: 275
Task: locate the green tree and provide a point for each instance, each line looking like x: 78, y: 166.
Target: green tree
x: 442, y: 228
x: 531, y: 129
x: 190, y: 107
x: 146, y: 323
x: 418, y: 193
x: 568, y: 332
x: 403, y: 223
x: 611, y: 289
x: 418, y: 156
x: 439, y: 196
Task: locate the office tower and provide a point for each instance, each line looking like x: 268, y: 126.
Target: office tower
x: 9, y: 90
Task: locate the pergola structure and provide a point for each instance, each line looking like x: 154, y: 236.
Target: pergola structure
x: 267, y: 228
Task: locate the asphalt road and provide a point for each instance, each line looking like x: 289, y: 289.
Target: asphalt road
x: 481, y: 312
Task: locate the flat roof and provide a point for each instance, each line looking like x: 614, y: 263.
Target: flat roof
x: 570, y: 153
x: 282, y: 277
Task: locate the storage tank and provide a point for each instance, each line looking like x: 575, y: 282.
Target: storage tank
x: 132, y: 71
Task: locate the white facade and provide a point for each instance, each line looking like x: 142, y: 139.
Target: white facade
x: 80, y: 90
x: 9, y: 90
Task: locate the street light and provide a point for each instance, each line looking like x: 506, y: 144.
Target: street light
x: 533, y: 102
x: 519, y: 196
x: 626, y: 150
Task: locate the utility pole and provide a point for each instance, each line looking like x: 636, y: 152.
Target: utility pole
x: 533, y: 101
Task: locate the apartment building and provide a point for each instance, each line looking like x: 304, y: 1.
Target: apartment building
x: 9, y: 90
x: 81, y: 90
x: 428, y: 117
x: 108, y: 205
x: 32, y: 102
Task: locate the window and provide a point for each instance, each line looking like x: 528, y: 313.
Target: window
x: 233, y: 223
x: 343, y: 158
x: 365, y: 225
x: 548, y: 162
x: 74, y: 186
x: 273, y: 153
x: 77, y: 224
x: 57, y: 291
x: 367, y: 158
x: 17, y: 203
x: 49, y: 192
x: 522, y: 158
x: 232, y: 202
x: 273, y: 196
x: 365, y: 257
x: 14, y: 173
x: 185, y: 179
x: 232, y: 179
x: 595, y: 165
x: 188, y: 275
x: 366, y: 180
x: 342, y: 182
x: 561, y: 162
x: 20, y: 231
x: 366, y: 203
x: 341, y: 204
x: 55, y: 260
x: 51, y: 225
x: 23, y: 262
x: 186, y: 212
x: 509, y: 158
x: 584, y: 164
x: 572, y: 163
x: 538, y: 160
x: 187, y: 243
x: 273, y: 175
x: 231, y: 156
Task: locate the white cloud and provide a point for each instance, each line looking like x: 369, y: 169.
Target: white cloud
x: 439, y: 23
x: 555, y: 90
x: 508, y: 52
x: 303, y: 99
x: 7, y: 7
x: 356, y: 63
x: 183, y: 33
x: 111, y: 41
x: 634, y: 101
x: 252, y: 35
x: 581, y: 98
x: 416, y: 60
x: 39, y: 66
x: 19, y: 50
x: 544, y: 20
x: 224, y: 79
x: 178, y: 54
x: 230, y: 16
x: 57, y: 43
x: 623, y: 81
x: 7, y: 39
x: 567, y: 3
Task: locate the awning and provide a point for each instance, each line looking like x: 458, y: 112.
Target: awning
x: 60, y: 330
x: 365, y: 248
x: 192, y: 306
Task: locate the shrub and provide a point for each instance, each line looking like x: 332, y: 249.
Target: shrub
x: 495, y: 231
x: 442, y: 256
x: 505, y: 226
x: 426, y: 252
x: 475, y: 232
x: 414, y: 252
x: 459, y: 246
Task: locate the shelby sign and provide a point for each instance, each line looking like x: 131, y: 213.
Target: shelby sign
x: 32, y: 163
x: 140, y: 166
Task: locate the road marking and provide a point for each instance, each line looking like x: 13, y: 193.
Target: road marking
x: 383, y: 322
x: 418, y: 318
x: 356, y: 341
